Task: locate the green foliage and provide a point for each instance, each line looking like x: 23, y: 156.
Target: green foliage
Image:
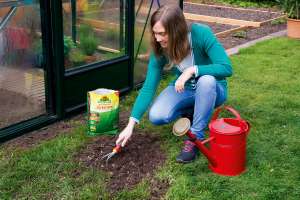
x: 76, y: 56
x: 240, y: 34
x: 38, y: 51
x: 88, y: 45
x: 85, y: 30
x: 38, y: 46
x: 68, y: 45
x: 88, y: 42
x: 278, y: 21
x: 291, y: 8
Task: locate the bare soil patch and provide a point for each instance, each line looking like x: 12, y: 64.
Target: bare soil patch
x: 250, y: 15
x: 16, y: 107
x: 136, y: 161
x: 250, y: 34
x: 49, y: 132
x: 232, y: 40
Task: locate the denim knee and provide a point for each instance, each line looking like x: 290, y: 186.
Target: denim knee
x: 207, y: 83
x: 157, y: 117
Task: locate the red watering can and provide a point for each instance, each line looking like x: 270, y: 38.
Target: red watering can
x: 227, y: 141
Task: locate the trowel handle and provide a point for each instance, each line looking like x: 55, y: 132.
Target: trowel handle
x: 230, y: 109
x: 117, y: 149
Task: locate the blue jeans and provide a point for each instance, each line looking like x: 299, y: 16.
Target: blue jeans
x: 170, y: 105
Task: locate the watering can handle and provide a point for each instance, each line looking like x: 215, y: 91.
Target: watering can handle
x: 230, y: 109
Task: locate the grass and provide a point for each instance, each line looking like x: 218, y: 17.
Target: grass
x: 264, y: 89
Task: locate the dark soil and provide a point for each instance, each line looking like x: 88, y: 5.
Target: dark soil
x: 251, y: 34
x: 16, y: 107
x: 229, y: 12
x: 49, y: 132
x: 136, y: 161
x: 219, y: 3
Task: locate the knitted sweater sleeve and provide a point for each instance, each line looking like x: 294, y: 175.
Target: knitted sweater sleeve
x: 149, y: 88
x: 205, y: 41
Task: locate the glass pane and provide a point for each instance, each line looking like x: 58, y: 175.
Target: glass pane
x: 142, y: 45
x: 95, y: 32
x: 22, y: 89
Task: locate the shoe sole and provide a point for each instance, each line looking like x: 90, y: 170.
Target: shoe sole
x: 184, y: 161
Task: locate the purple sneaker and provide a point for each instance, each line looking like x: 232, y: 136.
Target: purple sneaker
x: 188, y: 153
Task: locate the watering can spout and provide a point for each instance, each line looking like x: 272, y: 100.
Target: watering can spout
x: 201, y: 146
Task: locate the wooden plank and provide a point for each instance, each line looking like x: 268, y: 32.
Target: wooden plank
x: 108, y: 49
x: 269, y: 20
x: 227, y: 32
x: 220, y: 20
x: 98, y: 30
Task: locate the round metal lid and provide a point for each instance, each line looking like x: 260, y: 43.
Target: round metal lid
x: 181, y: 126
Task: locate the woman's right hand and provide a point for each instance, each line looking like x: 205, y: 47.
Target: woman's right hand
x: 126, y: 134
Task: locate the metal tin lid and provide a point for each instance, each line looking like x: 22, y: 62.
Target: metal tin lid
x: 222, y: 126
x: 181, y: 126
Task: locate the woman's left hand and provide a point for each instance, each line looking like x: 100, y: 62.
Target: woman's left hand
x: 186, y: 75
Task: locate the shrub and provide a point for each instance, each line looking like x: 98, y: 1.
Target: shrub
x: 76, y: 56
x: 85, y: 30
x: 240, y: 34
x: 291, y: 8
x: 88, y: 42
x: 88, y: 45
x: 68, y: 45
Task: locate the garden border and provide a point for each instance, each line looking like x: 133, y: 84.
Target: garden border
x: 236, y: 49
x: 243, y: 24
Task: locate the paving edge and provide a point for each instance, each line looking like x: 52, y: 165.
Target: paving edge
x: 236, y: 49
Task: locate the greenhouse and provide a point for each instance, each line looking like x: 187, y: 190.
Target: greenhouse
x: 53, y: 52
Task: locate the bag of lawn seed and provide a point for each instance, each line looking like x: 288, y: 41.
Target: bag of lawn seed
x: 103, y: 112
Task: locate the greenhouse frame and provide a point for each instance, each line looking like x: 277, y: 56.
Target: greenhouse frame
x: 53, y: 52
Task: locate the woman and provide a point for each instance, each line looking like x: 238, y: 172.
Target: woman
x: 201, y: 66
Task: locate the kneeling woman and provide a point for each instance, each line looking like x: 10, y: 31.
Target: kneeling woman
x: 201, y: 67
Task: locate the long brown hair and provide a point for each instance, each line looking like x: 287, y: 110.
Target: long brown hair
x: 173, y: 21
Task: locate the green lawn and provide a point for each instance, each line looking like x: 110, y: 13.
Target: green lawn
x: 264, y: 89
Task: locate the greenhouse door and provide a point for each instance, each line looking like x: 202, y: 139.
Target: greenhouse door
x: 25, y: 74
x: 53, y: 52
x: 97, y: 48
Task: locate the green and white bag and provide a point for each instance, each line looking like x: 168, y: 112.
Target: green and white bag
x: 103, y: 112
